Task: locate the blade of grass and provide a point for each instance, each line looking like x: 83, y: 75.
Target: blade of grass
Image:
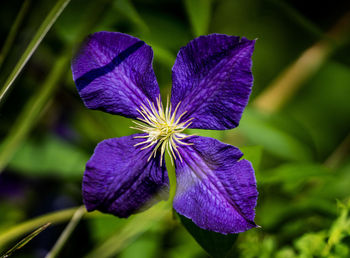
x: 25, y: 240
x: 32, y: 111
x: 6, y: 236
x: 339, y: 154
x: 298, y: 18
x: 286, y: 85
x: 34, y: 43
x: 79, y: 213
x: 135, y: 226
x: 36, y: 105
x: 13, y: 31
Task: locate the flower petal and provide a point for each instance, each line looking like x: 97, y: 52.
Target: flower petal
x: 214, y: 189
x: 119, y: 180
x: 113, y: 73
x: 212, y: 79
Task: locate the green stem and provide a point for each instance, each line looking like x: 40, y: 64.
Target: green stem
x: 31, y: 112
x: 134, y: 227
x: 287, y: 84
x: 13, y: 31
x: 55, y: 217
x: 172, y: 177
x: 79, y: 213
x: 339, y: 154
x: 25, y: 240
x: 34, y: 43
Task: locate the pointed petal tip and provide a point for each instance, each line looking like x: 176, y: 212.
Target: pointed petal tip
x: 216, y: 189
x: 212, y: 79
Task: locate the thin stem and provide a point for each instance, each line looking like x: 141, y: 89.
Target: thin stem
x: 133, y: 227
x: 56, y: 217
x: 79, y: 213
x: 13, y: 31
x: 341, y: 152
x: 25, y: 240
x: 286, y: 85
x: 34, y: 43
x: 31, y: 112
x: 172, y: 177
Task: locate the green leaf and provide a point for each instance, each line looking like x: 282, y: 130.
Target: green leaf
x: 253, y: 154
x: 324, y: 110
x: 50, y: 155
x: 216, y: 134
x: 146, y: 246
x: 164, y: 56
x: 126, y: 8
x: 291, y: 177
x: 166, y: 31
x: 292, y: 172
x: 199, y: 14
x: 258, y: 129
x: 25, y: 241
x: 311, y: 244
x: 216, y: 244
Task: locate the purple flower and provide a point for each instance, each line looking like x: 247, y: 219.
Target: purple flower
x: 212, y: 82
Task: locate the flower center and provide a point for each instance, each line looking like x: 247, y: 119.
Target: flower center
x: 162, y: 129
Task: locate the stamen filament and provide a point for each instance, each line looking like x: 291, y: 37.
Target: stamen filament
x: 163, y: 129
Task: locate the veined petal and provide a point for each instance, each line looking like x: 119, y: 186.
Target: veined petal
x: 214, y: 189
x: 119, y: 180
x: 113, y: 73
x: 212, y: 79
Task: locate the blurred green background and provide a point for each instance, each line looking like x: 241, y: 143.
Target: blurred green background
x: 295, y: 129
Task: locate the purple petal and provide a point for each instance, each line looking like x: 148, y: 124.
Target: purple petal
x: 119, y: 180
x: 113, y: 73
x: 212, y: 79
x: 214, y: 189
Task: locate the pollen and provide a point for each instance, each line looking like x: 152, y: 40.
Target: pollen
x: 163, y: 128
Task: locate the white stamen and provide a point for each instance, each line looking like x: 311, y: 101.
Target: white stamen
x: 162, y: 129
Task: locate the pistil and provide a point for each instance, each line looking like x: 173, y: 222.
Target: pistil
x: 163, y: 129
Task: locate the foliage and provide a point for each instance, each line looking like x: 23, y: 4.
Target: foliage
x: 295, y: 130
